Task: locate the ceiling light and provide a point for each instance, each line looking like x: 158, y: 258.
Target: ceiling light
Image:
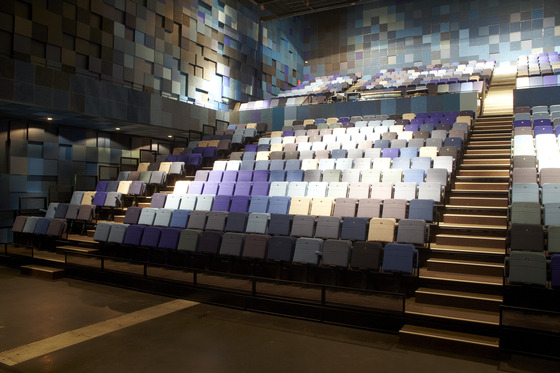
x: 117, y: 129
x: 49, y: 118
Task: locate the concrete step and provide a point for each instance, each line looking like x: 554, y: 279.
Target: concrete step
x: 42, y: 271
x: 463, y: 299
x: 466, y: 267
x: 440, y: 339
x: 471, y: 240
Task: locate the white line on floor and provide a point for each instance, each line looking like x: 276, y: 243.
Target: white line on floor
x: 39, y: 348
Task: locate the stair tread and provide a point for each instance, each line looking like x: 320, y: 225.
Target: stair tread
x: 467, y: 262
x: 467, y: 249
x: 476, y: 207
x: 77, y: 248
x: 452, y: 313
x: 461, y: 277
x: 461, y: 294
x: 451, y: 335
x: 42, y: 268
x: 477, y: 215
x: 472, y: 236
x: 473, y: 226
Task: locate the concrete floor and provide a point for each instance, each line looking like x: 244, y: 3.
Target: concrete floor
x: 203, y: 338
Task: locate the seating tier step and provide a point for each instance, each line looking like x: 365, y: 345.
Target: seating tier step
x: 439, y: 248
x: 451, y: 313
x: 487, y: 144
x: 463, y: 299
x: 472, y: 227
x: 486, y: 186
x: 446, y: 339
x: 42, y: 271
x: 482, y: 202
x: 471, y: 240
x: 466, y: 267
x: 461, y: 278
x: 475, y: 219
x: 77, y: 249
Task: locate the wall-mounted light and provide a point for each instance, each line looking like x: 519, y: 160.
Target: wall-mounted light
x: 170, y: 136
x: 49, y: 118
x: 117, y: 129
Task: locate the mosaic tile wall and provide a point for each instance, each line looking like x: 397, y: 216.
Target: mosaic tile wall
x: 198, y: 51
x: 385, y: 34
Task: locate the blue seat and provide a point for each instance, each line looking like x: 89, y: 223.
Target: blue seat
x: 179, y: 219
x: 279, y: 205
x: 354, y: 228
x: 421, y: 209
x: 399, y: 257
x: 281, y: 248
x: 259, y: 204
x: 307, y: 250
x: 280, y: 224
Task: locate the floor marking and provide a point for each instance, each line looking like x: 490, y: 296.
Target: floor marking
x: 39, y: 348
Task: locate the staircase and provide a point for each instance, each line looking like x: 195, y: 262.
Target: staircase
x: 499, y: 98
x: 460, y: 291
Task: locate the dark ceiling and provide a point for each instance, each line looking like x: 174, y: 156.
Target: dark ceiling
x: 290, y: 8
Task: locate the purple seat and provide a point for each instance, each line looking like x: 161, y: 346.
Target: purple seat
x: 195, y: 187
x: 221, y: 203
x: 539, y: 130
x: 132, y: 215
x: 211, y: 187
x: 239, y: 204
x: 251, y: 148
x: 390, y: 153
x: 260, y: 188
x: 417, y: 121
x: 99, y: 199
x: 230, y: 175
x: 137, y: 188
x: 215, y: 175
x: 209, y: 152
x: 522, y: 123
x: 158, y: 200
x: 244, y: 175
x: 134, y: 235
x: 243, y: 188
x: 412, y: 127
x: 194, y: 160
x: 226, y: 188
x: 151, y: 236
x: 169, y: 238
x: 101, y: 186
x: 542, y: 122
x: 261, y: 175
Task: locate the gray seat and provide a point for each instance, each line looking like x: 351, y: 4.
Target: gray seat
x: 527, y: 268
x: 117, y: 233
x: 336, y: 253
x: 412, y: 231
x: 327, y: 227
x: 257, y: 222
x: 197, y: 220
x: 303, y: 226
x: 232, y: 244
x: 307, y: 250
x: 147, y: 216
x: 188, y: 241
x: 102, y: 231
